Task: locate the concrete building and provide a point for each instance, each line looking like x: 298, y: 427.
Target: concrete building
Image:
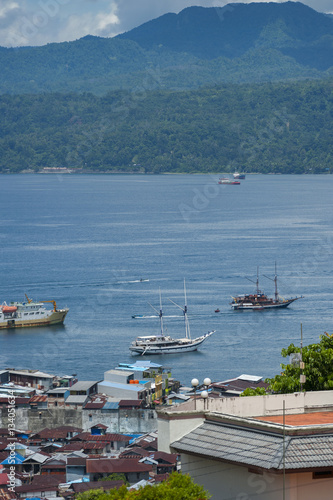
x: 31, y: 378
x: 263, y: 447
x: 122, y: 385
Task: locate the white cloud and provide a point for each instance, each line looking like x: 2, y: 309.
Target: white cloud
x: 7, y: 7
x: 37, y: 22
x: 91, y: 23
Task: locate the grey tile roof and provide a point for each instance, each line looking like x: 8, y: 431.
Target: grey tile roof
x: 256, y: 448
x: 313, y: 451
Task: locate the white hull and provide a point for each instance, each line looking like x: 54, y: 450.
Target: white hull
x: 160, y: 346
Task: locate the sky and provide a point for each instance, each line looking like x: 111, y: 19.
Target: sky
x: 38, y: 22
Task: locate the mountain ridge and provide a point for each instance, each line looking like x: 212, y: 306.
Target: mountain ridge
x: 240, y: 43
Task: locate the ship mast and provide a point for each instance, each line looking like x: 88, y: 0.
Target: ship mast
x: 160, y: 314
x: 187, y: 324
x: 275, y: 282
x: 256, y: 282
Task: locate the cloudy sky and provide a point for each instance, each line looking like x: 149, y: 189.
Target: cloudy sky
x: 37, y: 22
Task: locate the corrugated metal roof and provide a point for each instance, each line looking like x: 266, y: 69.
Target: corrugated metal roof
x: 110, y: 465
x: 38, y: 399
x: 14, y: 459
x: 139, y: 364
x: 76, y: 399
x: 255, y: 448
x: 94, y: 406
x: 130, y: 402
x: 111, y: 406
x: 84, y: 385
x: 116, y: 385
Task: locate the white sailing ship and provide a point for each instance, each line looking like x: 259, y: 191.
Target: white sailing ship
x: 164, y: 344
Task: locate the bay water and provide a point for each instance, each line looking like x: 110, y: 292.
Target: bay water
x: 104, y: 245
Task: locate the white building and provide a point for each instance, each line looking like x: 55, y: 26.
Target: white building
x: 250, y: 448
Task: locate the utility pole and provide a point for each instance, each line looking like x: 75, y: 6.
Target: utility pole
x: 302, y: 377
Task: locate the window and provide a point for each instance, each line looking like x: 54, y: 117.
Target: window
x: 322, y: 474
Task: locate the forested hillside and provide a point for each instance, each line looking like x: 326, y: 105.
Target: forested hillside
x: 240, y: 43
x: 272, y: 127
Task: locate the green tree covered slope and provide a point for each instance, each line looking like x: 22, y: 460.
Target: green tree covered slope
x: 237, y: 43
x: 278, y: 128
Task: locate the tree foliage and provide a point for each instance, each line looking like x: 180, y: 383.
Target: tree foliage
x: 115, y: 476
x: 177, y: 487
x: 258, y: 391
x: 318, y: 360
x: 267, y: 128
x: 256, y: 42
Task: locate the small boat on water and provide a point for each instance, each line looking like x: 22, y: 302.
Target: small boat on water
x: 226, y: 180
x: 27, y: 314
x: 259, y: 301
x: 236, y: 175
x: 164, y: 344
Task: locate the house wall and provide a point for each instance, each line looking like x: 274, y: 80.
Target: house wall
x: 74, y: 472
x: 39, y: 494
x: 36, y: 420
x: 118, y: 421
x: 121, y: 391
x: 118, y: 376
x: 181, y: 419
x: 225, y: 481
x: 121, y: 421
x: 271, y: 404
x: 134, y: 477
x: 173, y: 429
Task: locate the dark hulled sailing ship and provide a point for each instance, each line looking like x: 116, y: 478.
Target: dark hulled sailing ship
x: 259, y: 300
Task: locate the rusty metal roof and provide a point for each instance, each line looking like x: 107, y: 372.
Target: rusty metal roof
x: 38, y: 399
x: 110, y: 465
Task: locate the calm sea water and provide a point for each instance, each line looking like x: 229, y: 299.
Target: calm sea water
x: 86, y: 241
